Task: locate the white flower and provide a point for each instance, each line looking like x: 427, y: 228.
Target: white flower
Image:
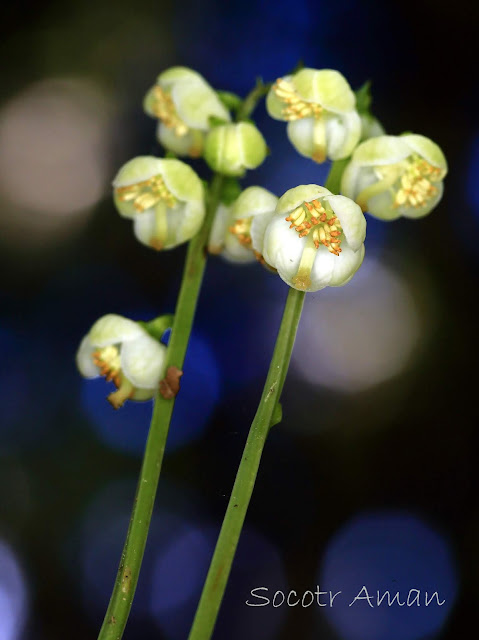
x: 230, y: 149
x: 164, y: 197
x: 183, y: 102
x: 314, y: 240
x: 124, y: 353
x: 393, y: 176
x: 231, y: 230
x: 319, y: 107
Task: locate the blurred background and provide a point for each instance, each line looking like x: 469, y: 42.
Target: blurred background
x: 369, y: 478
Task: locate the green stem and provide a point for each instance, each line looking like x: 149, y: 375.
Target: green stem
x: 250, y: 102
x: 220, y: 567
x: 129, y: 569
x: 333, y: 181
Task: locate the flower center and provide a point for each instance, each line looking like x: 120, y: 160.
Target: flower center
x: 242, y: 230
x: 164, y: 108
x: 296, y: 108
x: 107, y: 359
x: 147, y: 194
x: 415, y: 185
x: 312, y: 217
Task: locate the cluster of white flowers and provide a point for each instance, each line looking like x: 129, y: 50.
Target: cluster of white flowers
x: 311, y: 237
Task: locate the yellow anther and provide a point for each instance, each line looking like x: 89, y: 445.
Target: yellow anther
x: 312, y: 217
x: 242, y: 230
x: 415, y: 185
x: 164, y: 108
x: 147, y: 194
x: 295, y: 107
x: 107, y: 359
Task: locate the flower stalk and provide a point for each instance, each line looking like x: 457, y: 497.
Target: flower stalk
x: 220, y: 567
x: 132, y: 555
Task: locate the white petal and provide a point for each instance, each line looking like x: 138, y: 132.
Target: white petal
x: 356, y: 178
x: 351, y: 218
x: 323, y: 268
x: 181, y: 145
x: 113, y: 329
x: 282, y: 247
x: 196, y: 102
x: 294, y: 197
x: 253, y: 201
x: 258, y: 229
x: 218, y: 230
x: 381, y: 206
x: 427, y: 149
x: 142, y: 361
x: 346, y: 265
x: 144, y: 226
x: 234, y: 251
x: 300, y: 134
x: 84, y: 359
x: 342, y: 134
x: 137, y: 170
x: 381, y: 150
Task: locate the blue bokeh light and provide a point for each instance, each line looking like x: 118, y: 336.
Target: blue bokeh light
x: 392, y: 551
x: 126, y: 429
x: 473, y: 176
x: 13, y: 595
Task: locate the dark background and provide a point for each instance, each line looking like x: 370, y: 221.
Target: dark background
x: 369, y: 479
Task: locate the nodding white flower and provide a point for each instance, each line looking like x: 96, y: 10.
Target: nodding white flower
x: 319, y: 107
x: 314, y: 240
x: 123, y: 352
x: 231, y: 230
x: 164, y: 197
x: 183, y: 102
x: 393, y: 176
x: 230, y: 149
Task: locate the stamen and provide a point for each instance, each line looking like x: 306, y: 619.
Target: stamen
x: 296, y: 108
x: 242, y: 230
x: 415, y: 186
x: 147, y: 194
x: 311, y: 216
x: 164, y: 109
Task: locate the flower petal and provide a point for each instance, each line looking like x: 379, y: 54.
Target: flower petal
x: 327, y: 87
x: 219, y: 228
x: 253, y: 201
x: 342, y: 135
x: 258, y: 229
x: 234, y: 251
x: 142, y: 361
x: 301, y: 135
x: 297, y: 195
x: 274, y: 105
x: 84, y: 359
x: 113, y: 329
x: 427, y: 149
x: 189, y: 144
x: 382, y: 150
x: 182, y: 181
x: 351, y: 218
x: 137, y: 170
x: 196, y: 102
x: 346, y: 265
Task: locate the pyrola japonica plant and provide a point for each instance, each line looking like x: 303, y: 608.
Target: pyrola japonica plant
x: 312, y: 236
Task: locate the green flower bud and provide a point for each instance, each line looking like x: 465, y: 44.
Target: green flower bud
x: 232, y: 148
x: 123, y: 352
x: 319, y: 107
x: 393, y: 176
x: 315, y: 239
x: 183, y: 102
x: 164, y: 197
x: 231, y: 230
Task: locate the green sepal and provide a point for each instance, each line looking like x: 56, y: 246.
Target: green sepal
x: 230, y: 191
x: 231, y: 101
x: 171, y: 154
x: 214, y: 121
x: 157, y: 327
x: 364, y: 99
